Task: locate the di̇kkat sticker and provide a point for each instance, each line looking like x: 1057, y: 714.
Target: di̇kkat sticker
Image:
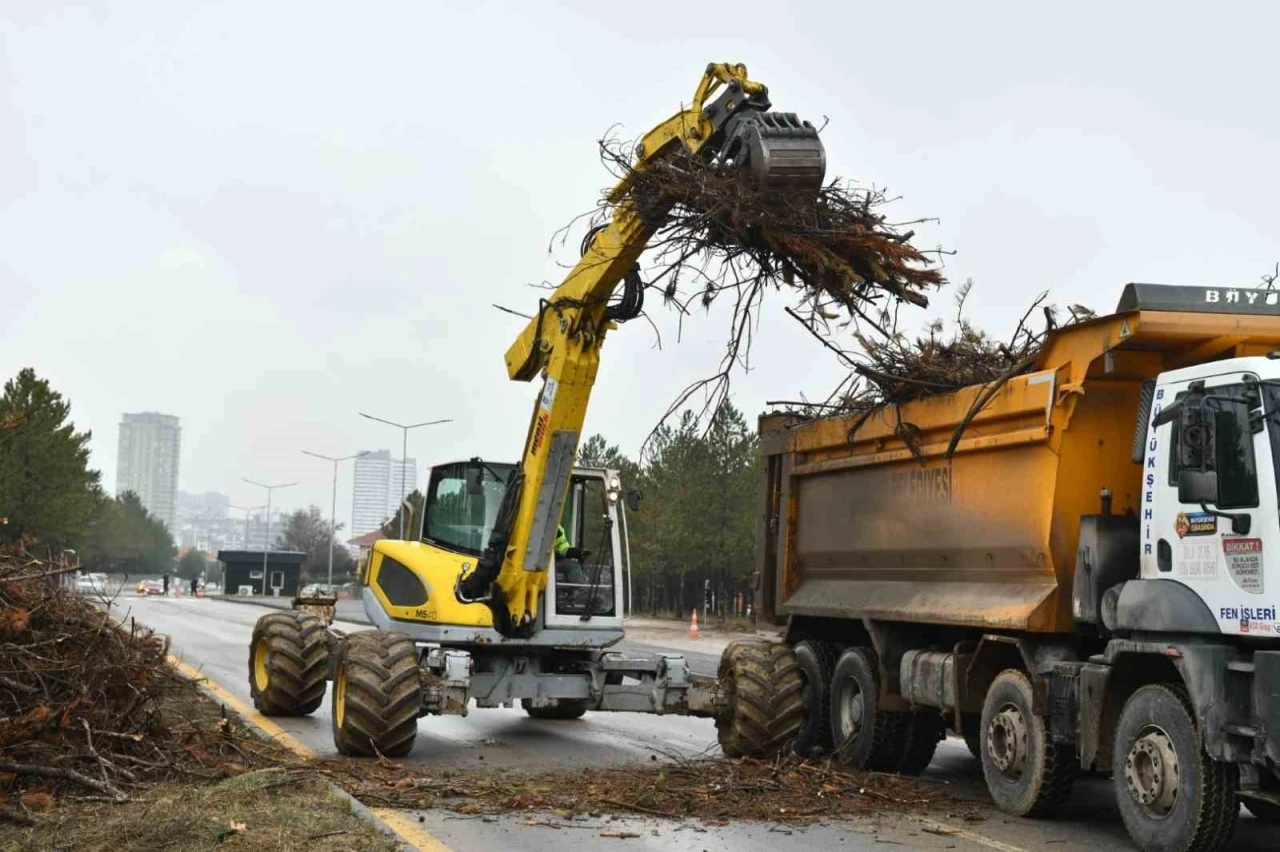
x: 1244, y: 563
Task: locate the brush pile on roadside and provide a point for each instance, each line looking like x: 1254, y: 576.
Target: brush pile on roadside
x: 92, y: 708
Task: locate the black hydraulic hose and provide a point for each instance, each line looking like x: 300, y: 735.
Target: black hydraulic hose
x: 476, y: 585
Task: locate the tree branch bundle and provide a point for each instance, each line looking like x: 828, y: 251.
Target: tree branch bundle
x: 718, y: 235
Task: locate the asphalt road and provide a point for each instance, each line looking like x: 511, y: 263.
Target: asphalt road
x: 213, y: 636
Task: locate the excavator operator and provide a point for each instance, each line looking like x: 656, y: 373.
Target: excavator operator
x: 569, y: 559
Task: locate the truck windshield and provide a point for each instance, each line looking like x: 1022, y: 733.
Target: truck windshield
x: 456, y: 519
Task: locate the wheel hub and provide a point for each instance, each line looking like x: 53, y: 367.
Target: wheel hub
x: 1007, y: 741
x: 1151, y: 772
x: 260, y: 676
x: 852, y: 710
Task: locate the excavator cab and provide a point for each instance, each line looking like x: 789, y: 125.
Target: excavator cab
x: 463, y: 504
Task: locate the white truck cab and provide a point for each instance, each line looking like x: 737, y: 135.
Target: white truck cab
x: 1218, y: 437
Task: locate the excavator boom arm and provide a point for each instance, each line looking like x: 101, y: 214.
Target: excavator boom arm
x: 562, y: 342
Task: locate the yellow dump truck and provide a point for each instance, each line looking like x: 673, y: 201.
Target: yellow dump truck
x: 1071, y: 575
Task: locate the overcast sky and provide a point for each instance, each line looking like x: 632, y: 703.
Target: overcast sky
x: 263, y: 217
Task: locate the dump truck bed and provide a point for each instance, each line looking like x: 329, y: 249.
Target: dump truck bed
x: 857, y: 524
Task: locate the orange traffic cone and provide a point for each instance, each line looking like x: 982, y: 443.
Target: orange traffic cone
x: 693, y: 625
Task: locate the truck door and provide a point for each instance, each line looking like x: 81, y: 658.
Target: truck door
x: 1187, y: 544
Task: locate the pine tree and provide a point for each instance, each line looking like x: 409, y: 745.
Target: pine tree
x: 47, y: 491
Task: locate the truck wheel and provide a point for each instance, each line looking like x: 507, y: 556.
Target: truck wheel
x: 565, y: 708
x: 1265, y: 811
x: 377, y: 695
x: 921, y: 735
x: 1027, y: 773
x: 1172, y: 796
x: 288, y: 664
x: 765, y: 709
x: 817, y: 661
x: 862, y: 733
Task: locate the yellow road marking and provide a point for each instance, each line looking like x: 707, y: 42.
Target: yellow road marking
x: 955, y: 831
x: 270, y: 728
x: 409, y: 831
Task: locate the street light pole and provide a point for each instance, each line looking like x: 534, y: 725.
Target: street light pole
x: 404, y: 452
x: 266, y: 537
x: 333, y: 502
x: 246, y: 510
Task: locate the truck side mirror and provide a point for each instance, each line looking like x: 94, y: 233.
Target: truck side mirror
x: 475, y: 479
x: 1198, y: 486
x: 634, y: 495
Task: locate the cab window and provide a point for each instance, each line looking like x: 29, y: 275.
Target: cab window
x: 1234, y: 462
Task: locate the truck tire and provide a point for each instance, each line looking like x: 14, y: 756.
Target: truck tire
x: 1027, y: 773
x: 1265, y: 811
x: 1172, y: 796
x: 288, y: 664
x: 863, y: 734
x: 921, y: 734
x: 565, y: 708
x: 817, y: 661
x: 377, y: 695
x: 765, y: 711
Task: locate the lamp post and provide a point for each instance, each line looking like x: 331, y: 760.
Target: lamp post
x: 404, y: 452
x: 266, y: 536
x: 333, y: 501
x: 246, y: 510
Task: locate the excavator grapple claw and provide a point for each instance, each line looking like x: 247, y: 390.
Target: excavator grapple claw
x: 782, y: 152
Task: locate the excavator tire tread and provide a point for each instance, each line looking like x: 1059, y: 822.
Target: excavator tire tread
x: 767, y: 710
x: 383, y: 695
x: 297, y: 664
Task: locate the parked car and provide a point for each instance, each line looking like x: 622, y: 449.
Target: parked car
x: 91, y: 584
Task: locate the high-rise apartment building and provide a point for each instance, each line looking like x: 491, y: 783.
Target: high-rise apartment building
x: 147, y: 462
x: 381, y: 482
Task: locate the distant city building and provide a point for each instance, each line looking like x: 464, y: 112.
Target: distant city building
x: 203, y: 522
x: 147, y: 462
x: 381, y: 482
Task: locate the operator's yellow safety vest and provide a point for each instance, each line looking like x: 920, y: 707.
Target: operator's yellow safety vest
x: 562, y: 541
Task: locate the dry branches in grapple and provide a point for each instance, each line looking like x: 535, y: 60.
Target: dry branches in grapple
x: 716, y: 232
x: 719, y: 231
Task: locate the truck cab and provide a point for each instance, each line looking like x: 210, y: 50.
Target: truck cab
x: 1210, y: 511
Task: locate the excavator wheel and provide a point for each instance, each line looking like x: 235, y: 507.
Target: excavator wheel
x: 377, y: 695
x: 288, y: 664
x: 766, y: 708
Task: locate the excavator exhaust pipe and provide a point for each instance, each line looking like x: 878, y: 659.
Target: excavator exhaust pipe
x: 781, y: 152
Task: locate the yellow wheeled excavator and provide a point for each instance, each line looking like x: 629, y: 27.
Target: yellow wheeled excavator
x: 477, y: 607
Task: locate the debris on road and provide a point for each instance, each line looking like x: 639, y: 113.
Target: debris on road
x: 788, y: 790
